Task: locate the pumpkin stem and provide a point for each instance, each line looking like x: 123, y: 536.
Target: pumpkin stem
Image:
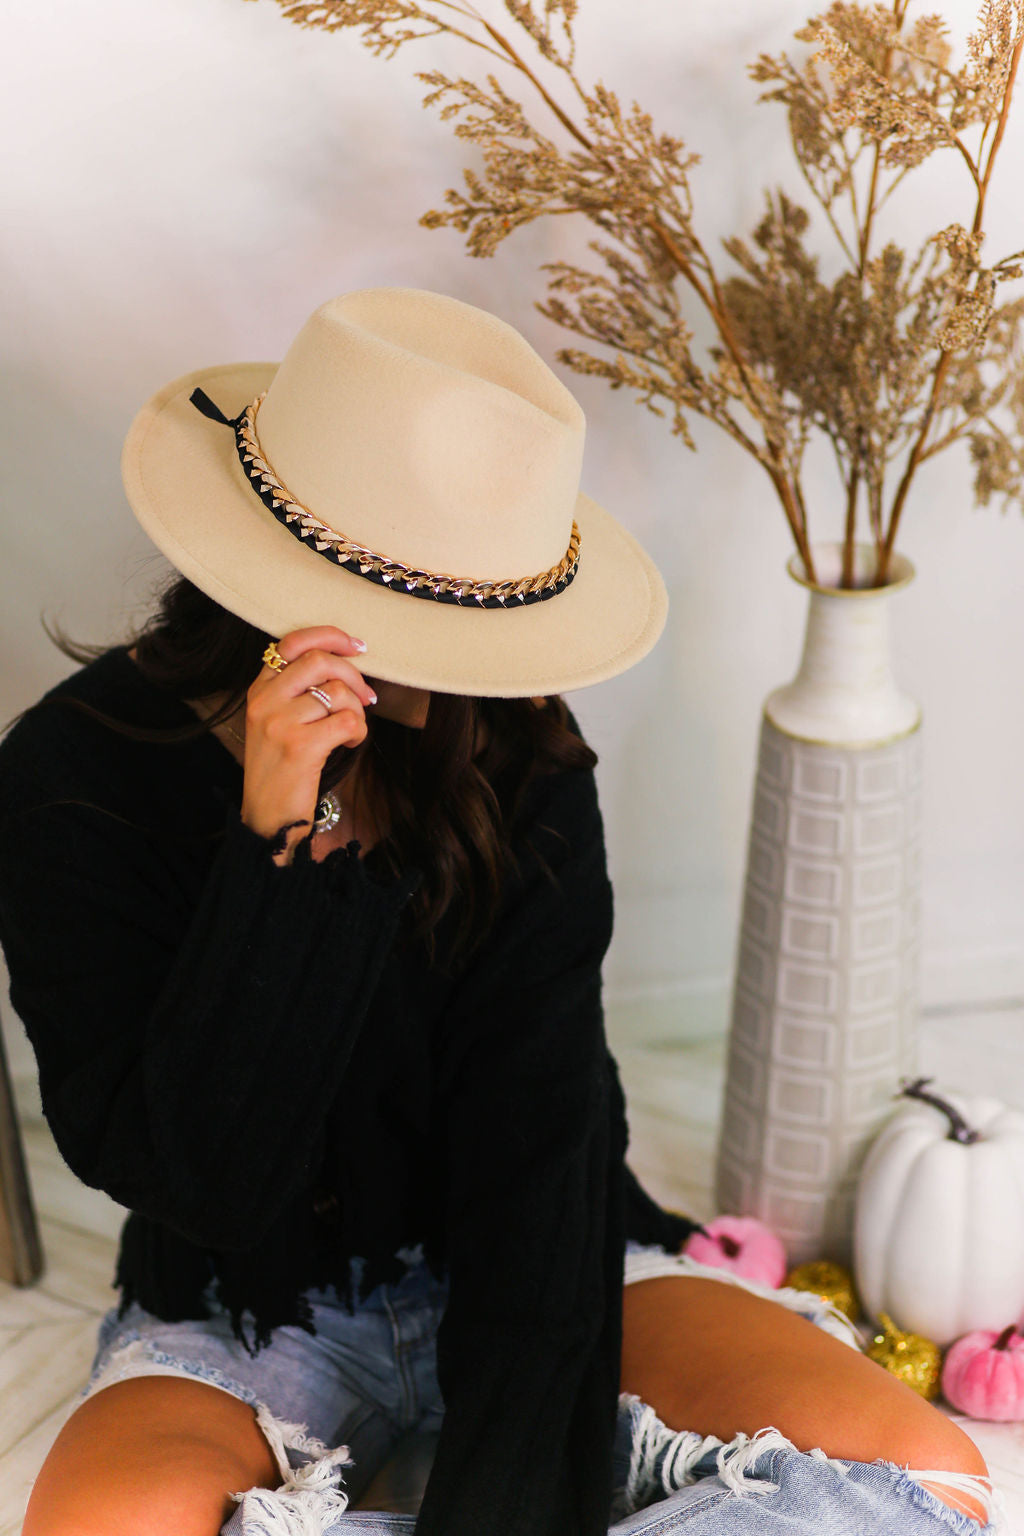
x: 1004, y: 1338
x: 729, y: 1246
x: 959, y: 1130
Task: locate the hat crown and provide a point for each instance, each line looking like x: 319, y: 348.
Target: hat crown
x: 428, y: 430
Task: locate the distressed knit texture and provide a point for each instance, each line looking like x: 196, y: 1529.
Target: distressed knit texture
x: 264, y: 1067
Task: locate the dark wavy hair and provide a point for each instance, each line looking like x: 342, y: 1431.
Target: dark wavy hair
x: 447, y: 796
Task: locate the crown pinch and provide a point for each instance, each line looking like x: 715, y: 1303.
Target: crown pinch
x: 463, y: 590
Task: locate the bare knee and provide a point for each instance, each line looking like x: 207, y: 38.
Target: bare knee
x: 713, y: 1358
x: 941, y: 1443
x: 186, y: 1490
x: 149, y: 1456
x: 939, y: 1446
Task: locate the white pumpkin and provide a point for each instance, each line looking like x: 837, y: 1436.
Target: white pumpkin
x: 939, y: 1229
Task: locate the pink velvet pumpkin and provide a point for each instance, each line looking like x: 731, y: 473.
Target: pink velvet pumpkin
x: 743, y: 1245
x: 983, y: 1374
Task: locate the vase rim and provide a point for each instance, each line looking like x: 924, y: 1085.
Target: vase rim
x: 828, y: 557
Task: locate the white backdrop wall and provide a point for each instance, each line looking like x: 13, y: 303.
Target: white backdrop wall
x: 184, y: 182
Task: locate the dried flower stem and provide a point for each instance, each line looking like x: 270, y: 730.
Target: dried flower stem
x: 1004, y: 115
x: 712, y: 302
x: 918, y: 451
x: 894, y: 349
x: 549, y: 101
x: 899, y: 14
x: 715, y: 305
x: 850, y: 529
x: 863, y: 245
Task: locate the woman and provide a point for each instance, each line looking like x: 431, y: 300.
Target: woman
x: 307, y: 931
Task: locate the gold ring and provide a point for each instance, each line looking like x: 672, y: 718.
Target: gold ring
x: 325, y: 698
x: 273, y: 659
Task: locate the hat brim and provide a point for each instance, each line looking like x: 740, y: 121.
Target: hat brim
x: 186, y: 486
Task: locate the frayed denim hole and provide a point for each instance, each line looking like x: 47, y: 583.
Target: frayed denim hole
x: 838, y: 1464
x: 755, y: 1465
x: 661, y: 1459
x: 923, y: 1498
x: 775, y: 1461
x: 905, y: 1485
x: 136, y: 1345
x: 207, y: 1374
x: 113, y: 1337
x: 310, y: 1499
x: 109, y: 1329
x: 108, y: 1333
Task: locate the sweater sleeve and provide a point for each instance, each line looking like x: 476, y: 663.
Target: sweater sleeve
x: 162, y: 1035
x: 528, y: 1352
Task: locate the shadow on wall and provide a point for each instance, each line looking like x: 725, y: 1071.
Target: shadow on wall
x: 72, y: 551
x: 657, y: 750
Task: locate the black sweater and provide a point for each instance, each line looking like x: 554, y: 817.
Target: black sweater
x: 263, y: 1066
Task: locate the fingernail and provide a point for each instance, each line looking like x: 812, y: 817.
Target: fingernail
x: 373, y: 698
x: 360, y: 645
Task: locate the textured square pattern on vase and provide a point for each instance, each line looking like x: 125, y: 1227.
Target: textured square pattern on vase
x: 826, y: 975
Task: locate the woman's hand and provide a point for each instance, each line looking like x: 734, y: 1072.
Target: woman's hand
x: 288, y: 733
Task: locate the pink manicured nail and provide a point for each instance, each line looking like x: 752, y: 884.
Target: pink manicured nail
x: 373, y: 698
x: 360, y: 645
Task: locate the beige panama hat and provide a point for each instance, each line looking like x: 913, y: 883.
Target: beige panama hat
x: 409, y: 473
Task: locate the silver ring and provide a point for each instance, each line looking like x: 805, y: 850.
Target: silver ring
x: 325, y: 698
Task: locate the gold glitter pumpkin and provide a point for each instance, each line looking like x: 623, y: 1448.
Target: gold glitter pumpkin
x: 910, y: 1356
x: 829, y: 1281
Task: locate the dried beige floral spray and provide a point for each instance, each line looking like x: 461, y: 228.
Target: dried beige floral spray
x: 895, y: 359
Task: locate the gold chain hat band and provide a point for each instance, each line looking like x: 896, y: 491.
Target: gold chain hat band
x: 361, y: 561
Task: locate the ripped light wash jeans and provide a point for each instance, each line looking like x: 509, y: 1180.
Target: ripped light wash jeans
x: 335, y: 1405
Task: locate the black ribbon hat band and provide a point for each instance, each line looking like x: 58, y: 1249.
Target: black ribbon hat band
x: 318, y: 536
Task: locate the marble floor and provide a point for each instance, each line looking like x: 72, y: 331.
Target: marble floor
x: 47, y: 1332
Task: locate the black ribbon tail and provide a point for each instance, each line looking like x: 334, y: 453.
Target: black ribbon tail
x: 202, y: 402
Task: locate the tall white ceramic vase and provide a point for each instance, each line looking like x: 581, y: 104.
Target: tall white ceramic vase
x: 825, y: 1001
